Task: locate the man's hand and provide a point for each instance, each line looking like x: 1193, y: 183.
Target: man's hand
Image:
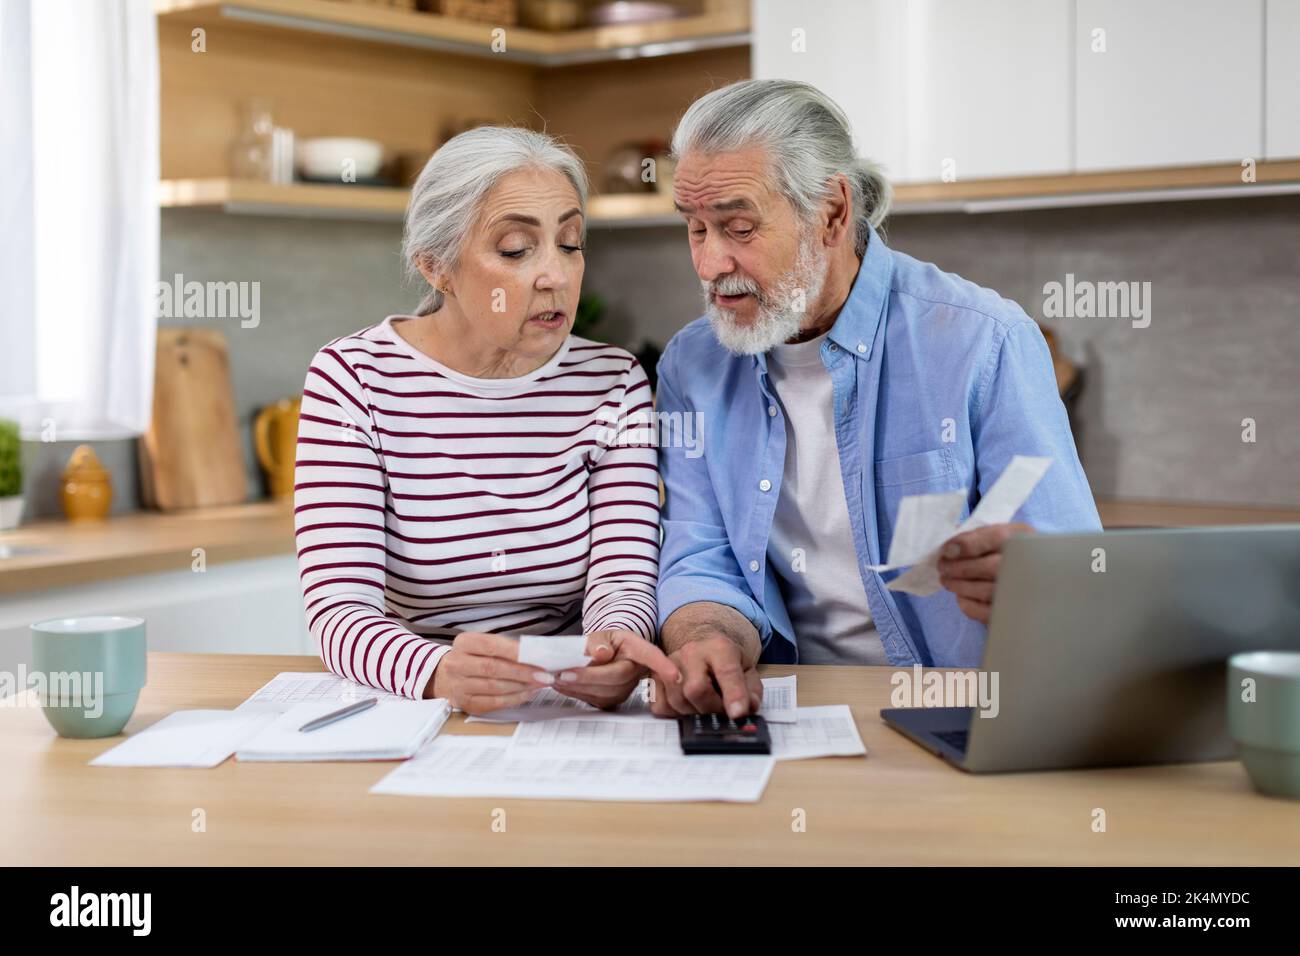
x: 619, y: 659
x: 715, y: 678
x: 968, y: 566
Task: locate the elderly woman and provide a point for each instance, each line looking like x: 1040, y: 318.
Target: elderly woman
x: 472, y: 472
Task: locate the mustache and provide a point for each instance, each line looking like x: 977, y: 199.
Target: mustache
x: 732, y: 284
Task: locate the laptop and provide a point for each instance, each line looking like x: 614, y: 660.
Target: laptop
x: 1125, y: 665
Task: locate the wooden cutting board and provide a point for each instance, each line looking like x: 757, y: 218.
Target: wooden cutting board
x: 190, y: 456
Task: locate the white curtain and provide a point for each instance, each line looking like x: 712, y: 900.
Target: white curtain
x: 79, y: 213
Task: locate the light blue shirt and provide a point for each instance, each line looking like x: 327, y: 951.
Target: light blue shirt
x: 938, y: 383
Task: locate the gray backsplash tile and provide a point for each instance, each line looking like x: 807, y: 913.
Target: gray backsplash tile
x: 1160, y: 415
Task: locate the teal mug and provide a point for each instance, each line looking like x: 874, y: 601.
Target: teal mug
x: 1264, y: 718
x: 88, y: 672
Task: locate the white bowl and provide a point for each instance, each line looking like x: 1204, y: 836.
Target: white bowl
x: 325, y: 157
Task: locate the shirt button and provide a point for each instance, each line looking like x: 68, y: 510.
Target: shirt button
x: 764, y: 485
x: 753, y: 565
x: 834, y: 347
x: 861, y: 347
x: 771, y: 411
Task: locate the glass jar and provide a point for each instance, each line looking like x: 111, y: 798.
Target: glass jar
x: 251, y: 155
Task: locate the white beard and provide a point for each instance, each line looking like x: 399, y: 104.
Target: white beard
x: 778, y: 320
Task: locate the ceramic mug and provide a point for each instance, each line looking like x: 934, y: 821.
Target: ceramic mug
x: 1264, y: 718
x: 89, y: 672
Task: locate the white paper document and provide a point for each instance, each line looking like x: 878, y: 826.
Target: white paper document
x: 287, y: 689
x: 925, y: 522
x: 486, y: 767
x: 390, y: 730
x: 817, y: 732
x: 554, y: 653
x: 621, y: 736
x: 779, y: 702
x: 187, y: 738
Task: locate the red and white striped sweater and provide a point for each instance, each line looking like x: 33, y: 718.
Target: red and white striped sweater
x: 429, y: 503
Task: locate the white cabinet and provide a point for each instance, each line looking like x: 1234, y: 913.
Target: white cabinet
x: 242, y: 607
x: 852, y: 50
x: 988, y: 88
x: 1282, y: 80
x: 980, y: 88
x: 1168, y: 82
x: 985, y: 89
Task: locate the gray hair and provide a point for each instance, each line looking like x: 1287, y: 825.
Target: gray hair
x: 807, y: 138
x: 457, y: 178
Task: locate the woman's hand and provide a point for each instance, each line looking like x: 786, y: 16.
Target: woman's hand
x: 481, y: 673
x: 619, y: 659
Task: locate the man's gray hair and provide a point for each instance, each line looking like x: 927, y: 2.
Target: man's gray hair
x: 807, y: 138
x: 457, y: 178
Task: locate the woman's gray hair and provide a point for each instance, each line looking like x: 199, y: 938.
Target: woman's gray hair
x: 457, y: 178
x: 807, y: 138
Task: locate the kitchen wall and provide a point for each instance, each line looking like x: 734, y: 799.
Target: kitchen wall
x: 1161, y: 411
x: 1160, y: 415
x: 319, y: 279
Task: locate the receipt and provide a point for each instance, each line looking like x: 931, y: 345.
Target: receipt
x: 925, y: 522
x: 554, y: 653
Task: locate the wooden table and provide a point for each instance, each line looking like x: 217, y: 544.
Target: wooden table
x: 899, y: 805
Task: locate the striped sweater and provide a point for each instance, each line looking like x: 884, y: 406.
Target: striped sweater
x: 428, y: 503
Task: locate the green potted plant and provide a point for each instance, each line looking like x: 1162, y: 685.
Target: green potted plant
x: 11, y: 475
x: 591, y: 308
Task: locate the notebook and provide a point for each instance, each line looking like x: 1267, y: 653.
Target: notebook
x: 391, y: 730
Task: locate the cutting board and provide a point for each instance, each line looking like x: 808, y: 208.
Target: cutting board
x: 190, y: 456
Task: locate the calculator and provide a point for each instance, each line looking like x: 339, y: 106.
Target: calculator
x: 719, y: 734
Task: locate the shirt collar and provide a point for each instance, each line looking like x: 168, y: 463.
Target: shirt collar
x: 859, y: 320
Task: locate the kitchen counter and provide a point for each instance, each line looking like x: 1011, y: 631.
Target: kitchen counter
x: 46, y: 554
x: 1178, y: 514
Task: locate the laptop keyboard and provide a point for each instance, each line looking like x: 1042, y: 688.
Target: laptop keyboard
x: 954, y: 738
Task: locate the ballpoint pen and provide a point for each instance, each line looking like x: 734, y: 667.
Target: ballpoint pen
x: 340, y: 714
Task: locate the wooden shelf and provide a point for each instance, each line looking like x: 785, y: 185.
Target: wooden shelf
x: 726, y: 23
x: 320, y: 200
x: 1107, y: 188
x: 654, y: 209
x: 346, y: 201
x: 632, y: 209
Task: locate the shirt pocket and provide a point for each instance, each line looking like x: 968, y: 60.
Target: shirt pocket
x: 926, y: 473
x: 919, y: 473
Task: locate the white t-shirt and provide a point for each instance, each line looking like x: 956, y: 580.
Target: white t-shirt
x: 810, y: 529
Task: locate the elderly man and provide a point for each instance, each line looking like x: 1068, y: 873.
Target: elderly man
x: 832, y: 376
